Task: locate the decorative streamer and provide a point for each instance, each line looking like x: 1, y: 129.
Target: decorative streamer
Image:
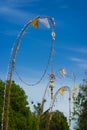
x: 62, y: 71
x: 75, y: 87
x: 35, y: 23
x: 45, y: 22
x: 75, y: 91
x: 61, y: 90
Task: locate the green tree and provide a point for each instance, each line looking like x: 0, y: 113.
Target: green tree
x: 50, y: 120
x: 19, y: 113
x: 80, y: 111
x: 1, y: 100
x: 20, y: 116
x: 59, y: 122
x: 53, y: 121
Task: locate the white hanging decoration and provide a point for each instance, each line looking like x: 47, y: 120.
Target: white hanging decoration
x: 45, y: 22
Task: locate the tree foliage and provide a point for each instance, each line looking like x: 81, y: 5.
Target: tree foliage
x: 20, y: 116
x: 1, y: 99
x: 59, y: 121
x: 50, y: 120
x: 19, y: 112
x: 80, y: 111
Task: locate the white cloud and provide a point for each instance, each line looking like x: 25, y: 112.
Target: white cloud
x: 16, y: 3
x: 12, y: 9
x: 78, y: 60
x: 7, y: 11
x: 75, y: 49
x: 80, y: 50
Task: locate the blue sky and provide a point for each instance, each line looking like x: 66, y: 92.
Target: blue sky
x: 70, y: 44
